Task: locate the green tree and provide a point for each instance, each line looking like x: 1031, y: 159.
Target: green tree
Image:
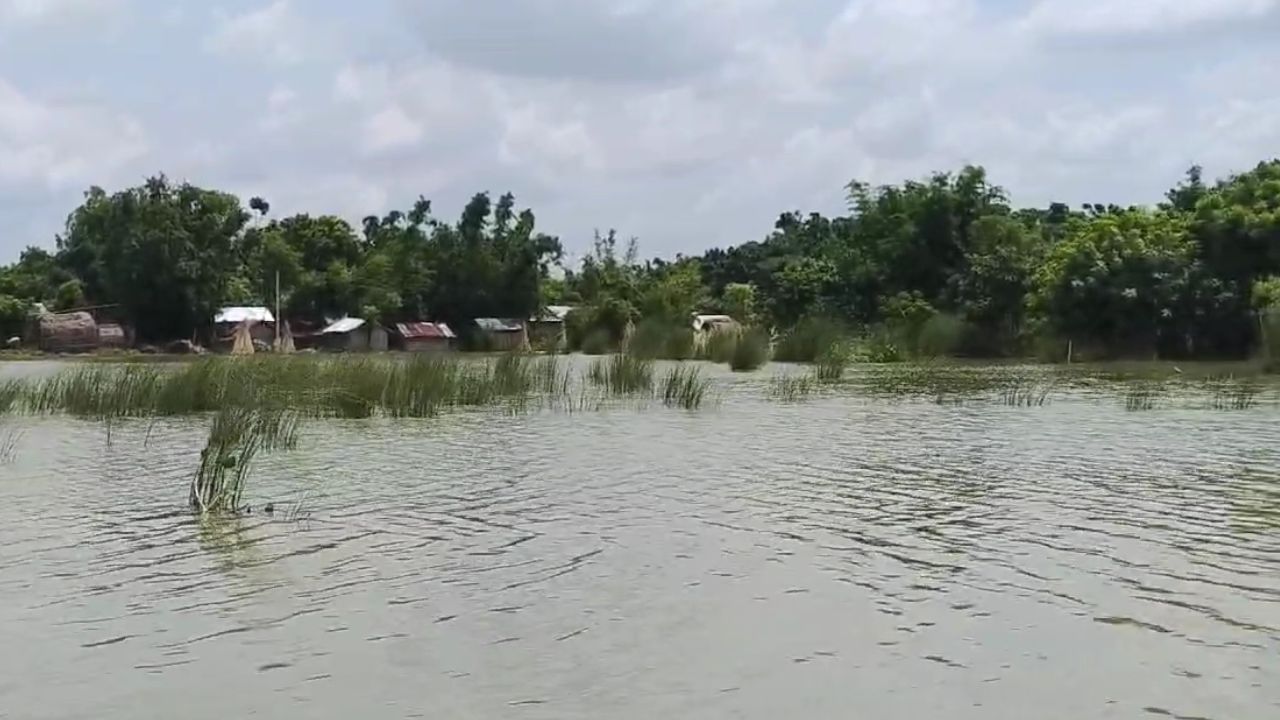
x: 164, y: 252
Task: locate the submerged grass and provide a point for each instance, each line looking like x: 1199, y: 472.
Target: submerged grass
x: 684, y: 387
x: 236, y: 436
x: 622, y: 374
x: 792, y: 388
x: 1139, y: 397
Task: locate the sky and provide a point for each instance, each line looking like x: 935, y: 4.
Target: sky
x: 686, y: 123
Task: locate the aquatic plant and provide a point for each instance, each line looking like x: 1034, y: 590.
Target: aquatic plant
x: 1025, y: 394
x: 236, y: 435
x: 8, y: 444
x: 1231, y: 394
x: 684, y: 387
x: 750, y: 351
x: 809, y: 340
x: 657, y: 340
x: 622, y: 374
x: 1141, y: 396
x: 10, y: 393
x: 831, y: 364
x: 791, y: 388
x: 719, y: 345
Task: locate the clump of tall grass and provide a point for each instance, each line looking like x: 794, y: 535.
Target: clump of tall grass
x: 657, y: 340
x: 791, y: 388
x: 236, y: 436
x: 1231, y: 394
x: 750, y: 351
x: 831, y: 364
x: 808, y: 340
x: 8, y: 444
x: 11, y: 392
x: 1142, y: 396
x: 1025, y: 394
x: 622, y: 374
x: 684, y: 387
x: 719, y: 345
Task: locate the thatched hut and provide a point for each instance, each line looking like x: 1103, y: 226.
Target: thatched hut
x: 75, y: 332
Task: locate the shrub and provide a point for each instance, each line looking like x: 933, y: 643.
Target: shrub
x: 751, y: 350
x: 808, y: 340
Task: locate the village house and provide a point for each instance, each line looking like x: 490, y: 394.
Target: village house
x: 418, y: 337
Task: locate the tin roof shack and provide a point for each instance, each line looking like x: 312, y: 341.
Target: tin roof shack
x: 546, y: 329
x: 712, y: 323
x: 353, y: 335
x: 500, y: 335
x: 75, y: 332
x: 260, y: 321
x: 420, y: 337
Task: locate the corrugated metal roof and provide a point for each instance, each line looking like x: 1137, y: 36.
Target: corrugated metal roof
x: 424, y: 331
x: 343, y: 326
x: 240, y: 314
x: 498, y: 325
x: 553, y: 313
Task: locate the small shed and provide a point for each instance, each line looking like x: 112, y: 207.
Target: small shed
x: 425, y: 337
x: 546, y: 329
x: 712, y: 323
x: 353, y: 335
x: 501, y: 334
x: 75, y: 332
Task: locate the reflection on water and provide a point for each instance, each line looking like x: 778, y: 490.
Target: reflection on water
x: 853, y: 555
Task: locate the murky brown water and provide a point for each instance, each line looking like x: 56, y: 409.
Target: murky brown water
x: 845, y: 557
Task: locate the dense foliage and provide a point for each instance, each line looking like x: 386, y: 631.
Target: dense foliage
x: 945, y: 265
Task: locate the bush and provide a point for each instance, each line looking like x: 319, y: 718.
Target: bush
x: 658, y: 340
x: 597, y: 342
x: 940, y: 335
x: 808, y: 340
x: 750, y: 351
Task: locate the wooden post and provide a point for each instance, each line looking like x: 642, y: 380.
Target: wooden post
x: 1070, y: 348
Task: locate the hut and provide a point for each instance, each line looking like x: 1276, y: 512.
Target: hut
x: 424, y: 337
x: 261, y: 323
x: 712, y: 323
x: 501, y: 334
x: 546, y: 329
x: 75, y: 332
x: 353, y: 335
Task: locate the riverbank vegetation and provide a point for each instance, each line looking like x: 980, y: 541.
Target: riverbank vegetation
x: 942, y: 266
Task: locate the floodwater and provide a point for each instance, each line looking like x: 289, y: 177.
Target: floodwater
x: 846, y: 557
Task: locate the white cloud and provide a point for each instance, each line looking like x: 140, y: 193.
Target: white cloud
x: 390, y: 129
x: 269, y: 32
x: 63, y: 145
x: 1113, y: 17
x: 33, y: 12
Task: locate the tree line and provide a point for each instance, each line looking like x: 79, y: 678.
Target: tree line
x: 945, y: 264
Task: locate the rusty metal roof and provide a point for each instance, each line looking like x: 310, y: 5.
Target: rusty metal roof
x: 424, y: 331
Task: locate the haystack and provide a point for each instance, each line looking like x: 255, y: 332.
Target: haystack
x: 243, y: 344
x: 67, y: 332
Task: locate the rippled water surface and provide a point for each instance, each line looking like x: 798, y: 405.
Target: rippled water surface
x: 850, y: 556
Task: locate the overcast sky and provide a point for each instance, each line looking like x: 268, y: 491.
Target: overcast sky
x: 688, y: 123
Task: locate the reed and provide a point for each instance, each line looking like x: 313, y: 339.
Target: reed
x: 750, y: 351
x: 1231, y: 394
x: 237, y: 435
x: 1141, y: 397
x: 684, y: 387
x: 11, y: 391
x: 832, y: 363
x: 809, y: 340
x: 622, y: 374
x: 792, y: 388
x: 8, y: 444
x: 1025, y: 394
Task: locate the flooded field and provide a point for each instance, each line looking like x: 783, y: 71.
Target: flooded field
x: 905, y: 544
